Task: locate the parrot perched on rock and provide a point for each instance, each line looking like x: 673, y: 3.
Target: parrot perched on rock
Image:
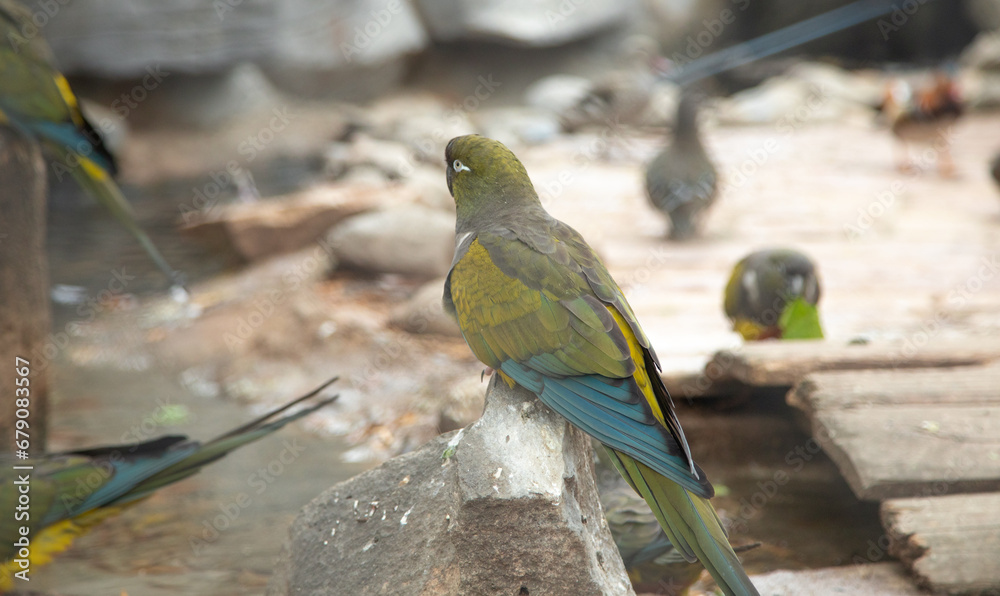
x: 536, y: 304
x: 774, y: 293
x: 681, y: 181
x: 36, y: 100
x: 71, y: 492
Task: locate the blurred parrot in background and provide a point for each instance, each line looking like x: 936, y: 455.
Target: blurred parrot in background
x: 681, y: 181
x: 995, y: 169
x: 774, y: 293
x: 923, y: 116
x: 71, y: 492
x: 36, y: 100
x: 536, y: 304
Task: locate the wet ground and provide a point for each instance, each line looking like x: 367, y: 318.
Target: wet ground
x: 907, y: 265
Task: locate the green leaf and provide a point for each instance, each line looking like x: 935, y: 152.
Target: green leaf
x: 800, y: 320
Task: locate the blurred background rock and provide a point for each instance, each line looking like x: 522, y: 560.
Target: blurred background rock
x: 356, y: 50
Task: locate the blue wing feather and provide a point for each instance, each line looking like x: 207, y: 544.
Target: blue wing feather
x: 617, y: 423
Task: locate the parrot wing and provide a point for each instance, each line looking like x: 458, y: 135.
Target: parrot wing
x: 540, y: 307
x: 74, y: 490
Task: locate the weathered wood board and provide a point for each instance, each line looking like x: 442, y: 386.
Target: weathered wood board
x: 773, y: 363
x: 883, y: 579
x: 907, y: 433
x: 951, y: 543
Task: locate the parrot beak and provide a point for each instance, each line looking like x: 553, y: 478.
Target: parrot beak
x: 450, y: 173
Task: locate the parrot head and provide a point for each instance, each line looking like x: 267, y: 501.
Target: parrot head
x: 486, y: 180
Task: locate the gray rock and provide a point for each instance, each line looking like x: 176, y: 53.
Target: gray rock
x: 424, y: 313
x: 254, y: 231
x: 524, y: 22
x: 519, y: 125
x: 506, y: 506
x: 391, y: 159
x: 815, y: 95
x: 983, y: 53
x: 350, y: 47
x: 557, y: 93
x: 463, y: 404
x: 407, y: 239
x: 428, y: 183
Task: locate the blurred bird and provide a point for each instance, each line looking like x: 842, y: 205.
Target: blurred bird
x: 923, y: 116
x: 620, y: 96
x: 681, y: 181
x: 36, y: 100
x: 73, y: 491
x: 774, y: 293
x: 995, y: 168
x: 536, y: 304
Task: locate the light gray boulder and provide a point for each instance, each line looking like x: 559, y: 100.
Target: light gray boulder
x: 410, y: 240
x: 506, y: 506
x: 349, y: 48
x: 536, y: 23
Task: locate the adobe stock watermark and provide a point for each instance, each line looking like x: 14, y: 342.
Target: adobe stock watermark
x: 612, y: 134
x: 899, y: 16
x: 207, y: 197
x: 785, y: 126
x: 957, y: 298
x: 265, y: 306
x: 697, y: 43
x: 87, y: 311
x: 485, y: 87
x: 365, y: 35
x: 885, y: 199
x: 259, y: 481
x: 122, y: 107
x: 31, y: 28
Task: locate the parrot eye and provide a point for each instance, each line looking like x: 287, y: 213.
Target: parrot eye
x: 459, y: 166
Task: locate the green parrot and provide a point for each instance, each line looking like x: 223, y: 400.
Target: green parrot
x: 681, y: 181
x: 73, y: 491
x: 774, y: 293
x: 536, y: 304
x: 36, y: 100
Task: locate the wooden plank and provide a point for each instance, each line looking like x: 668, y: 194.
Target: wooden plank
x: 884, y: 579
x: 905, y: 433
x: 786, y: 362
x: 951, y: 543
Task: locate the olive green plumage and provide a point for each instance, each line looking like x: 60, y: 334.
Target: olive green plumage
x: 535, y: 303
x: 773, y: 293
x: 36, y: 100
x: 681, y: 181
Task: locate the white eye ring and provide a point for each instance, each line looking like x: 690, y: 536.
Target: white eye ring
x: 459, y: 166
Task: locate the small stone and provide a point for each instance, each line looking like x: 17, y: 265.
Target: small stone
x: 424, y: 313
x: 406, y: 239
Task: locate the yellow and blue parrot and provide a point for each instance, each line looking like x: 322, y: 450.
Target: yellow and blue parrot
x: 71, y: 492
x: 774, y: 293
x: 36, y: 100
x: 536, y: 304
